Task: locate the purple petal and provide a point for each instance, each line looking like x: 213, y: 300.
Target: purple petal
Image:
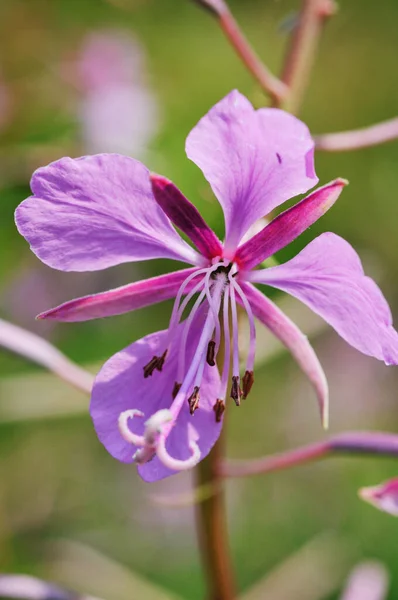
x: 120, y: 386
x: 185, y: 216
x: 287, y: 226
x: 121, y: 300
x: 294, y: 340
x: 40, y: 351
x: 328, y: 276
x: 94, y: 212
x: 253, y: 160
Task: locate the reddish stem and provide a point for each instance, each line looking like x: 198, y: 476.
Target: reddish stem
x: 302, y: 50
x: 212, y: 528
x: 271, y: 85
x: 366, y: 442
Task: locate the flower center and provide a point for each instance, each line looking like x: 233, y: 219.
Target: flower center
x: 216, y: 286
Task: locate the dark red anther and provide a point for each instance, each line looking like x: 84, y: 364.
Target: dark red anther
x: 176, y: 389
x: 161, y: 360
x: 219, y: 408
x: 247, y: 383
x: 193, y: 400
x: 211, y: 353
x: 156, y: 362
x: 236, y: 392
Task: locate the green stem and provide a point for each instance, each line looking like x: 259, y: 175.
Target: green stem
x: 212, y: 528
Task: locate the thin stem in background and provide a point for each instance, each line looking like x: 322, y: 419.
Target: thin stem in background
x: 358, y: 138
x: 271, y: 85
x: 38, y: 350
x: 356, y: 442
x: 302, y: 50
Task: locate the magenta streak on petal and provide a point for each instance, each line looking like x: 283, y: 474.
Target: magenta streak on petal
x: 120, y: 300
x: 328, y: 277
x: 294, y: 340
x: 287, y: 226
x: 185, y: 216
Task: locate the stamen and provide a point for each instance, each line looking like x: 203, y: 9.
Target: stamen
x: 219, y: 408
x: 193, y: 400
x: 227, y: 346
x: 211, y: 352
x: 252, y: 343
x: 247, y: 381
x: 156, y: 362
x: 174, y: 463
x: 184, y: 337
x: 214, y: 307
x: 125, y: 431
x: 180, y: 294
x: 174, y: 321
x: 235, y: 345
x: 151, y: 366
x: 188, y: 323
x: 176, y: 389
x: 236, y: 392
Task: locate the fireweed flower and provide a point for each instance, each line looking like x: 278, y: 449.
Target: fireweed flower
x: 160, y: 402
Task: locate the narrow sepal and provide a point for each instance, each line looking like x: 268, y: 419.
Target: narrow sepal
x: 287, y: 226
x: 120, y: 300
x: 185, y: 216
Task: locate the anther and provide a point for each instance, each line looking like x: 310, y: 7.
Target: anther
x: 247, y: 383
x: 219, y: 408
x: 193, y: 400
x: 156, y: 362
x: 176, y: 389
x: 236, y: 392
x: 211, y: 353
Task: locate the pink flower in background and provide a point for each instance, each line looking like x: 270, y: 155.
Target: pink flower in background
x: 98, y: 211
x: 383, y: 496
x: 118, y: 112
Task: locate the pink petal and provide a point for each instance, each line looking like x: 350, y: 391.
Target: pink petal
x: 295, y: 341
x: 120, y: 386
x: 383, y: 496
x: 185, y: 216
x: 254, y: 160
x: 97, y: 211
x: 287, y: 226
x: 121, y: 300
x: 40, y: 351
x: 328, y: 276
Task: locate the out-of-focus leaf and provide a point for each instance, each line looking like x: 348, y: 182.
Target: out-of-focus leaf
x: 312, y: 573
x: 79, y: 565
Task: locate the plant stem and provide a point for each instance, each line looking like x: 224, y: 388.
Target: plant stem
x: 302, y: 50
x: 271, y: 85
x: 212, y: 528
x: 355, y: 442
x: 358, y: 138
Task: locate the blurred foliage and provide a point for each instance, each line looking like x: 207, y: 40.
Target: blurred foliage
x: 57, y: 481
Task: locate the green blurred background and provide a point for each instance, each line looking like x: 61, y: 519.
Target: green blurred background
x: 68, y: 511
